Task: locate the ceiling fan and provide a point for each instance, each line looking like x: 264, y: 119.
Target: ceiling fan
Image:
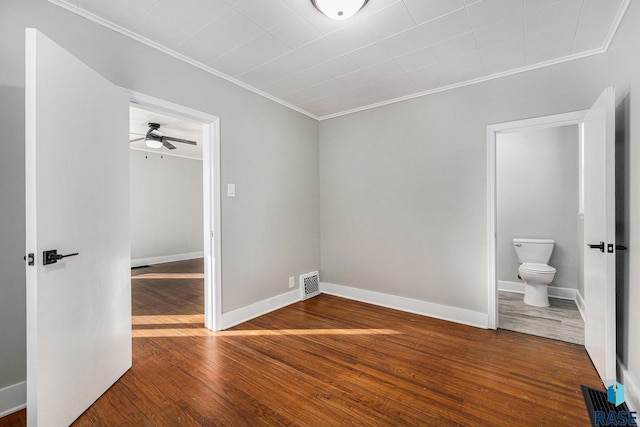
x: 155, y: 138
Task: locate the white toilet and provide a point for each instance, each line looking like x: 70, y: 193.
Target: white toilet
x: 534, y: 271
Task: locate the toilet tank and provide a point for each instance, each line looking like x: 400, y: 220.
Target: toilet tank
x: 533, y: 250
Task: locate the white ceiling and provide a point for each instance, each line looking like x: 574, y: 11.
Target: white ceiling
x: 139, y: 120
x: 392, y: 49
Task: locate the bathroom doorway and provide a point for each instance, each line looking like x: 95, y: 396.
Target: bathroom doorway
x: 537, y: 195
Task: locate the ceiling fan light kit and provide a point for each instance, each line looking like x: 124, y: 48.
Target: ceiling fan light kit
x: 156, y: 139
x: 152, y: 143
x: 339, y: 9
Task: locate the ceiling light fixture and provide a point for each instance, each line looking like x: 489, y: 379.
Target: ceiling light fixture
x: 153, y: 143
x: 339, y: 9
x: 154, y: 136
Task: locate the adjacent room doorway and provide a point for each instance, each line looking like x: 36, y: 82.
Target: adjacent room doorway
x: 182, y: 123
x: 167, y: 228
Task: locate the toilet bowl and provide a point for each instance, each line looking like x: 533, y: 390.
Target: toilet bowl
x: 534, y: 270
x: 536, y: 278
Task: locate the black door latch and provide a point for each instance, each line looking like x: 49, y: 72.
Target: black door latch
x: 52, y: 256
x: 611, y: 248
x: 599, y: 246
x: 30, y: 258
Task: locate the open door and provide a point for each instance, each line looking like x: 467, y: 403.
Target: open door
x: 599, y: 234
x: 77, y: 202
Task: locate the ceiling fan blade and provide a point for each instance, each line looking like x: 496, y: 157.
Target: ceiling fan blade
x: 137, y: 139
x: 184, y: 141
x: 168, y: 145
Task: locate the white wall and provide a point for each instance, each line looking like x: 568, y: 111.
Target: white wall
x: 624, y: 74
x: 166, y: 206
x: 537, y: 197
x: 268, y: 150
x: 403, y: 187
x: 270, y: 230
x: 12, y: 240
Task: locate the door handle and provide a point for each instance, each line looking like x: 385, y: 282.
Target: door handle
x: 599, y: 246
x: 52, y: 256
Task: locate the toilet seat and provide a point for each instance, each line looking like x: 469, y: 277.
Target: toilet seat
x: 535, y: 267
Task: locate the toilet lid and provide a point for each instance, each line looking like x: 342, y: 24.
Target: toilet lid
x: 535, y: 267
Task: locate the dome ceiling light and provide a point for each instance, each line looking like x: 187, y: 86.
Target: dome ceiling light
x: 339, y: 9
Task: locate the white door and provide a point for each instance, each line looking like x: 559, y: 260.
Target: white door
x: 77, y: 200
x: 599, y: 235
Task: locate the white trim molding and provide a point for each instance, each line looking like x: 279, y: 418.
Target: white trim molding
x: 616, y: 24
x: 65, y: 4
x: 243, y: 314
x: 13, y: 398
x: 552, y: 291
x: 137, y: 37
x: 631, y: 386
x: 573, y: 57
x: 410, y: 305
x: 166, y: 258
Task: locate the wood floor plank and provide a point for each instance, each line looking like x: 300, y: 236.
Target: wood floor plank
x: 330, y: 361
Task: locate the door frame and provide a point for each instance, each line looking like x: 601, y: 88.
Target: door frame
x: 493, y: 130
x: 211, y: 199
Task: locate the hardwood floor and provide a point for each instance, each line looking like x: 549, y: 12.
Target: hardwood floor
x: 329, y: 361
x: 17, y: 419
x: 561, y: 321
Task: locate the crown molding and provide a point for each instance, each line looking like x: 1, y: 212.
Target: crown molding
x: 605, y: 47
x: 90, y: 16
x: 469, y: 82
x: 75, y: 9
x: 616, y: 24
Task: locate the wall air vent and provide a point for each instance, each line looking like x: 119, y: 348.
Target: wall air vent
x: 310, y: 285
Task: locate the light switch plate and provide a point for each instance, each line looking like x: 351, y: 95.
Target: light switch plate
x: 231, y: 190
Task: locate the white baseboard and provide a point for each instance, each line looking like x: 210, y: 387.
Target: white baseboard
x: 243, y: 314
x: 580, y: 304
x: 166, y: 258
x: 444, y: 312
x: 631, y: 388
x: 13, y: 398
x: 515, y: 287
x: 552, y: 291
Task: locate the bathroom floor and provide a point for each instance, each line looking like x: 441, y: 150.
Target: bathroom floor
x: 561, y: 321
